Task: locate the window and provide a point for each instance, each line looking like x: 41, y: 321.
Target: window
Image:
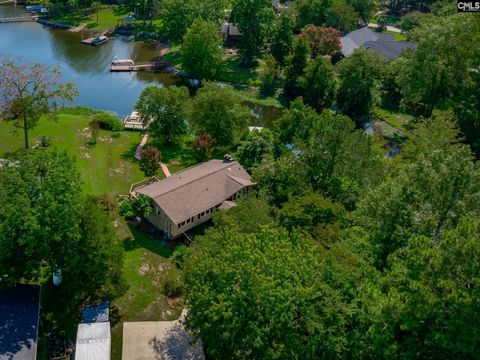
x: 198, y: 216
x: 159, y: 212
x: 188, y: 221
x: 182, y: 223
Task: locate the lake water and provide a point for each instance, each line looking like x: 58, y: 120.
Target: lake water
x: 88, y: 66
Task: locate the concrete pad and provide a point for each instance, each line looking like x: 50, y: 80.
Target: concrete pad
x: 159, y: 340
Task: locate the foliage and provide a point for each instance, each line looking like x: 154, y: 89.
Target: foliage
x: 201, y: 50
x: 254, y: 19
x: 311, y: 12
x: 179, y: 255
x: 342, y: 17
x: 179, y: 15
x: 468, y: 112
x: 203, y: 145
x: 256, y: 144
x: 436, y: 186
x: 45, y: 222
x: 139, y: 206
x: 29, y: 91
x: 322, y: 40
x: 166, y: 108
x: 266, y: 295
x: 364, y: 8
x: 296, y: 123
x: 282, y: 37
x: 424, y: 304
x: 173, y: 286
x: 296, y: 63
x: 108, y: 121
x: 220, y: 113
x: 270, y: 75
x: 412, y: 21
x: 94, y: 128
x: 357, y: 78
x: 447, y: 49
x: 319, y: 83
x: 150, y: 161
x: 315, y: 215
x: 45, y: 141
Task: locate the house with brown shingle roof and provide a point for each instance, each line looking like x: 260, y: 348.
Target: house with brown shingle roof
x: 190, y: 197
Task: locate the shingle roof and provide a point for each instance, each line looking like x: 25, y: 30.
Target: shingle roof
x: 197, y: 189
x: 385, y: 44
x: 19, y: 315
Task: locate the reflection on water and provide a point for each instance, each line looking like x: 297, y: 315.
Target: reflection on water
x: 88, y: 66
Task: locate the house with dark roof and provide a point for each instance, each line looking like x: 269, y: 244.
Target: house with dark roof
x: 190, y: 197
x: 19, y: 319
x: 383, y: 43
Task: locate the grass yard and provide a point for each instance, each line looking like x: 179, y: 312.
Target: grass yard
x: 396, y: 119
x: 107, y: 168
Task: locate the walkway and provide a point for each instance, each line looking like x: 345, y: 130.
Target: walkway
x: 78, y: 28
x: 138, y: 156
x: 138, y: 152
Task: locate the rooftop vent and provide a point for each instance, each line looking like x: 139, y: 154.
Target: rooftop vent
x: 227, y: 158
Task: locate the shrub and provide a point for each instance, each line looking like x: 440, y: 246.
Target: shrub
x: 150, y: 160
x: 45, y: 141
x: 140, y: 206
x: 108, y: 121
x: 173, y: 286
x: 203, y: 147
x: 179, y: 255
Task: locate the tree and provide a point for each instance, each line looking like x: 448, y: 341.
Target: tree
x: 282, y: 38
x: 296, y: 63
x: 30, y: 91
x: 322, y: 40
x: 297, y: 122
x: 45, y: 222
x: 203, y: 146
x: 96, y: 6
x: 270, y: 76
x: 166, y: 108
x: 424, y: 305
x: 267, y: 295
x: 357, y: 77
x: 319, y: 84
x: 254, y: 19
x: 436, y: 186
x: 94, y: 128
x: 219, y: 112
x: 177, y: 16
x: 364, y: 8
x: 311, y: 12
x: 314, y: 215
x: 202, y: 50
x: 342, y: 17
x: 150, y: 161
x: 431, y: 74
x: 256, y: 145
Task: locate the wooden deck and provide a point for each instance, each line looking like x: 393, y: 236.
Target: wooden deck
x: 153, y: 66
x: 18, y: 19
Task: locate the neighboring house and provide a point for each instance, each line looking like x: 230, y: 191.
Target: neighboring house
x: 19, y: 319
x: 189, y: 198
x: 383, y: 43
x: 230, y: 33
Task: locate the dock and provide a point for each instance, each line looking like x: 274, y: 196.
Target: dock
x: 148, y: 66
x: 18, y: 19
x: 89, y: 41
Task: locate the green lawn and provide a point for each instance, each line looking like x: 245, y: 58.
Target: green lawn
x: 108, y: 167
x: 396, y: 119
x: 107, y: 18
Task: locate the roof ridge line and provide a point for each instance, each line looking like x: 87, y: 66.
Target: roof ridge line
x: 196, y: 179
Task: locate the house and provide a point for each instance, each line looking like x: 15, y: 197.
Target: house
x: 190, y: 197
x: 230, y: 33
x: 383, y: 43
x: 19, y: 321
x: 93, y: 341
x: 166, y: 340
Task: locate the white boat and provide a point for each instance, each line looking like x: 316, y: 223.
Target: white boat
x: 99, y: 40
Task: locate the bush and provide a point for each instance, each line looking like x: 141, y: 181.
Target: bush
x: 45, y: 141
x: 179, y: 255
x: 108, y: 121
x: 173, y: 286
x: 140, y: 206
